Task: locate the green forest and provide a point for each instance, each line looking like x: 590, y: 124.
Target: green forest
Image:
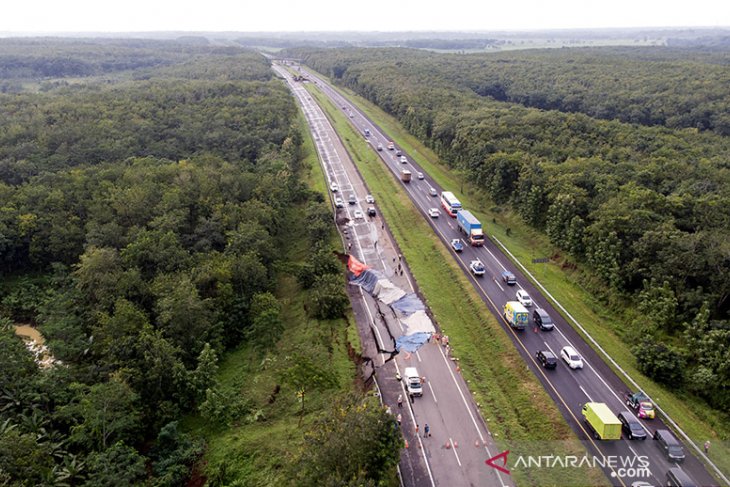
x: 641, y: 200
x: 148, y: 195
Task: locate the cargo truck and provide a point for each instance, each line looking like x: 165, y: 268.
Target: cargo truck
x: 405, y: 176
x: 601, y: 421
x: 516, y: 315
x: 471, y: 227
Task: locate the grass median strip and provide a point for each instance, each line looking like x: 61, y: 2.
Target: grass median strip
x: 564, y: 283
x: 511, y: 399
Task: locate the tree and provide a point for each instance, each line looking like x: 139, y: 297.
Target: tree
x: 97, y: 276
x: 105, y: 413
x: 118, y: 465
x: 660, y: 362
x: 204, y: 375
x: 23, y: 459
x: 182, y: 315
x: 708, y: 346
x: 251, y: 237
x: 356, y: 438
x: 155, y: 252
x: 328, y: 299
x: 17, y: 370
x: 657, y: 307
x: 173, y: 454
x: 115, y: 335
x: 305, y: 375
x: 157, y: 374
x: 266, y: 325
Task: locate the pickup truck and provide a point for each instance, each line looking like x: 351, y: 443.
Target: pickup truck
x: 477, y: 268
x: 640, y: 403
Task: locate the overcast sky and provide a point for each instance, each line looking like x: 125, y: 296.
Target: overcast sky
x: 361, y: 15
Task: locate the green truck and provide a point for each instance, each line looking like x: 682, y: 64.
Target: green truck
x: 601, y: 421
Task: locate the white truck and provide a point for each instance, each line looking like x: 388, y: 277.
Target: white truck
x: 413, y: 382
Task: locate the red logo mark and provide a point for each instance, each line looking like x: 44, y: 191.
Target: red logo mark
x: 502, y: 456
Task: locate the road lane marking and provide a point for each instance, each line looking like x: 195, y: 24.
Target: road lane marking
x: 497, y: 283
x: 453, y: 448
x: 584, y: 392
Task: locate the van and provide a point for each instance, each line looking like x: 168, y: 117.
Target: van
x: 516, y: 315
x: 542, y: 319
x: 413, y: 382
x: 671, y: 446
x: 677, y: 478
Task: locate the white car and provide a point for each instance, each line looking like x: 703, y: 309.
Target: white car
x: 477, y: 268
x: 339, y: 203
x: 403, y: 159
x: 358, y: 215
x: 420, y: 175
x: 433, y: 212
x: 369, y: 198
x: 524, y: 298
x: 380, y: 147
x: 571, y: 357
x: 334, y: 187
x: 432, y: 191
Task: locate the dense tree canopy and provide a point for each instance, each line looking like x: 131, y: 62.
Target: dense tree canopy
x: 138, y: 231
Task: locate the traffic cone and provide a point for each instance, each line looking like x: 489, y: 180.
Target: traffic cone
x: 447, y: 445
x: 406, y: 444
x: 476, y: 443
x: 456, y: 444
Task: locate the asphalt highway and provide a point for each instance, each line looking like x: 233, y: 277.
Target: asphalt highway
x: 455, y: 452
x: 570, y: 389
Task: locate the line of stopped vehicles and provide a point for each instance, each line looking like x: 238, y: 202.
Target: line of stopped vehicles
x: 602, y: 423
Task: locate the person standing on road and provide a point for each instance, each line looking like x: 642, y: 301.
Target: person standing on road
x: 400, y: 400
x: 707, y: 447
x: 426, y: 430
x: 399, y: 418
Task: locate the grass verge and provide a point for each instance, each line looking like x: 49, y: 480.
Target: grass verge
x: 564, y: 283
x: 497, y: 375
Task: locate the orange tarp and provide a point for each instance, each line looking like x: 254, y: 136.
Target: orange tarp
x: 355, y: 266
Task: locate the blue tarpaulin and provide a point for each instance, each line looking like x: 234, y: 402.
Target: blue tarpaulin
x: 410, y: 309
x: 367, y: 280
x: 411, y: 343
x: 409, y: 304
